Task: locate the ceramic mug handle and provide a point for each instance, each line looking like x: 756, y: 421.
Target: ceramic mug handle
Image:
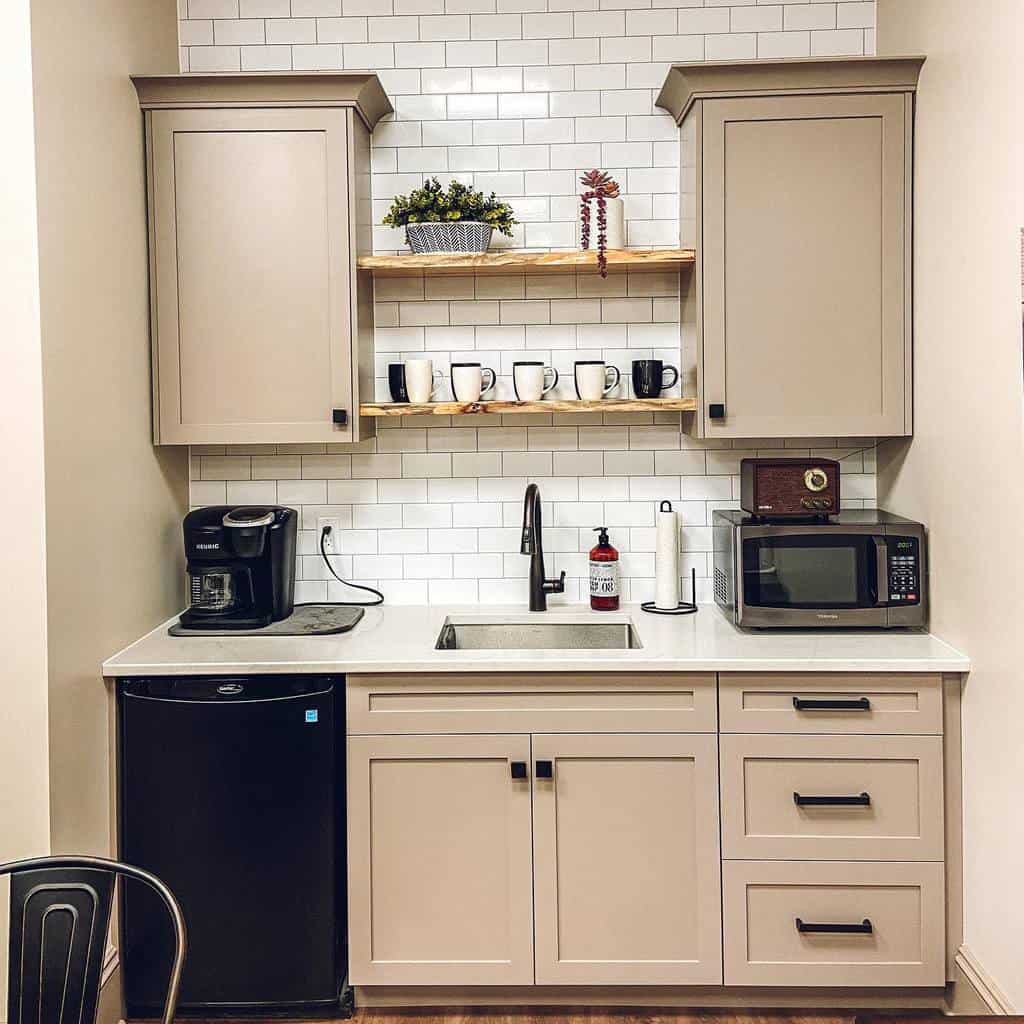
x: 437, y: 382
x: 484, y: 388
x: 554, y: 379
x: 614, y: 382
x: 673, y: 382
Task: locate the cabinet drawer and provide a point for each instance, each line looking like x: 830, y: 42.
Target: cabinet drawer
x: 395, y: 704
x: 832, y: 797
x: 901, y: 903
x: 832, y: 703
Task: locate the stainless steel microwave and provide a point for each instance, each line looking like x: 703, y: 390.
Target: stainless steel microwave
x: 859, y: 569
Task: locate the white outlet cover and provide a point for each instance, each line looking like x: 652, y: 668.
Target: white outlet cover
x: 332, y: 543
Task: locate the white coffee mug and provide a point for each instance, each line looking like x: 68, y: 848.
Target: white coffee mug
x: 468, y: 381
x: 594, y: 379
x: 421, y: 380
x: 528, y: 380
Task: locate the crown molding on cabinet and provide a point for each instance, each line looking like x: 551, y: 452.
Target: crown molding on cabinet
x: 358, y: 89
x: 689, y: 82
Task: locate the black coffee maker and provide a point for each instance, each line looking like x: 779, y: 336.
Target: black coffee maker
x: 241, y: 566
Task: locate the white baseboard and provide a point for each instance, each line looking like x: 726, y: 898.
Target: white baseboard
x: 978, y: 978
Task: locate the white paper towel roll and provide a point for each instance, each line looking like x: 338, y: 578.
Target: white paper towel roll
x: 666, y: 558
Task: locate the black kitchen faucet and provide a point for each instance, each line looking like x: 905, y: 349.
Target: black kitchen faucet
x: 533, y: 546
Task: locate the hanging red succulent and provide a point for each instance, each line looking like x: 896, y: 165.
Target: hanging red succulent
x: 601, y: 186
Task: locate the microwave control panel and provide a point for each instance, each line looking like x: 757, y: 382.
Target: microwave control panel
x: 904, y: 570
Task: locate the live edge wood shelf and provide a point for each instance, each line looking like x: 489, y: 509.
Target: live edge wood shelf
x: 515, y: 261
x: 548, y: 406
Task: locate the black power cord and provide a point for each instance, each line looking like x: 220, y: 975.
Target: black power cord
x: 325, y: 532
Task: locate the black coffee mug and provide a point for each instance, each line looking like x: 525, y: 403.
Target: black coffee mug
x: 396, y: 382
x: 649, y: 377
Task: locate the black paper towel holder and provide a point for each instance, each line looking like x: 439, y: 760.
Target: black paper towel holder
x: 683, y: 608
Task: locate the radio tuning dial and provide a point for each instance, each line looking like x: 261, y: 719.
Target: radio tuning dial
x: 816, y: 479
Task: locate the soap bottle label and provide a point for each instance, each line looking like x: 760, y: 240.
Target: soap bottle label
x: 604, y: 579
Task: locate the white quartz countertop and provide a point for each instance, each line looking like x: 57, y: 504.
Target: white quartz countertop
x: 402, y: 639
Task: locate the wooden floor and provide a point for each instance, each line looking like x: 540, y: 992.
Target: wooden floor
x: 601, y: 1015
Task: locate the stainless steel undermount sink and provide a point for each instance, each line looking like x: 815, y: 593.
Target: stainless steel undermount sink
x: 476, y: 635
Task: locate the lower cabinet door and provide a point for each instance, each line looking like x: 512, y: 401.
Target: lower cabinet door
x: 440, y: 883
x: 626, y: 860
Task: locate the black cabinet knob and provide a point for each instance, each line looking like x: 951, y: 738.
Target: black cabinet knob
x: 545, y: 769
x: 339, y: 417
x: 716, y: 410
x: 518, y: 769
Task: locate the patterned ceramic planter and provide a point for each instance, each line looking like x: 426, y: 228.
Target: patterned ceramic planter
x: 456, y: 236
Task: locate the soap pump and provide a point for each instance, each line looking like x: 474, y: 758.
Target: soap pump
x: 604, y: 573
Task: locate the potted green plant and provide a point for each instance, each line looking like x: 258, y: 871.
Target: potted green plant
x: 459, y: 219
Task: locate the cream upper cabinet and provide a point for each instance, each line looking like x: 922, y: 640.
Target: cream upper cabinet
x: 626, y: 860
x: 258, y: 205
x: 796, y: 193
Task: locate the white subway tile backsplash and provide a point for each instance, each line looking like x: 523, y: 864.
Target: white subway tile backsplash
x: 451, y: 540
x: 411, y: 540
x: 255, y: 492
x: 496, y: 26
x: 352, y: 492
x: 445, y: 80
x: 428, y: 566
x: 376, y: 517
x: 315, y: 8
x: 453, y: 592
x: 260, y: 9
x: 516, y: 97
x: 809, y: 16
x: 838, y: 43
x: 214, y: 58
x: 547, y: 79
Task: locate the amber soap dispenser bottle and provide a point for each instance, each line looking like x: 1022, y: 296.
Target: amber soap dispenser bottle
x: 604, y: 573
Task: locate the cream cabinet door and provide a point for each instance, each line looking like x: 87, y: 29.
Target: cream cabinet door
x: 251, y: 275
x: 626, y: 860
x: 805, y: 250
x: 440, y: 883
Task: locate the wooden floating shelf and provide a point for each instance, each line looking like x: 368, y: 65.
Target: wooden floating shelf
x: 511, y: 261
x: 544, y: 406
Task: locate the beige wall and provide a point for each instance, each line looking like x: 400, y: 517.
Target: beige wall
x: 962, y: 473
x: 24, y: 802
x: 114, y: 503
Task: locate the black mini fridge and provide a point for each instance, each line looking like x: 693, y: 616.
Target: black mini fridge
x: 232, y: 791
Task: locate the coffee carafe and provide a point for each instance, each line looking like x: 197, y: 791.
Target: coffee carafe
x: 241, y: 566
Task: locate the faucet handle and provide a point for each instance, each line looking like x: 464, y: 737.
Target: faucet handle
x: 556, y: 586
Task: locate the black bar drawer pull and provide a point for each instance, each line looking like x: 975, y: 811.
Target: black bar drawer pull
x: 864, y: 928
x: 545, y: 769
x: 861, y: 800
x: 518, y: 769
x: 857, y: 704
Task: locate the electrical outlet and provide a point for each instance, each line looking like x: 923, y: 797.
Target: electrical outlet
x: 332, y: 543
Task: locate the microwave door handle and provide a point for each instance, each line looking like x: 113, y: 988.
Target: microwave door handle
x: 881, y: 571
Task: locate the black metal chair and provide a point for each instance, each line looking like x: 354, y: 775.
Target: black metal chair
x: 60, y: 919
